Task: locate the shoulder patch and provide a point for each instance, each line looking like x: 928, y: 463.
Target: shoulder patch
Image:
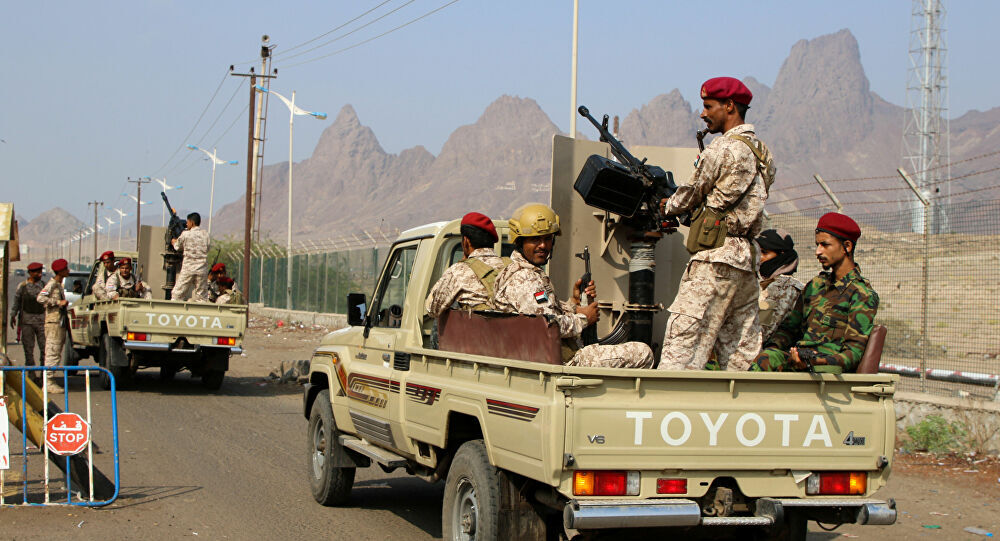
x: 541, y: 297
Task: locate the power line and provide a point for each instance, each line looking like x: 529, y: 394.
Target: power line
x: 231, y: 124
x: 338, y: 38
x: 207, y: 131
x: 429, y: 13
x: 323, y: 35
x: 202, y: 115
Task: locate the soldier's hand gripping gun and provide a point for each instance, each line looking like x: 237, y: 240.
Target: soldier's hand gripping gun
x: 627, y: 187
x: 589, y: 334
x: 700, y: 136
x: 171, y: 258
x: 176, y: 226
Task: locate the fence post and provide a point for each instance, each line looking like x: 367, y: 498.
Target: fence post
x: 925, y: 349
x: 829, y: 193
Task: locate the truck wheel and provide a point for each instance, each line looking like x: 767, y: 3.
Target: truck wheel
x: 69, y: 356
x: 111, y: 353
x: 167, y: 372
x: 795, y: 528
x: 330, y: 485
x: 212, y: 379
x: 471, y: 507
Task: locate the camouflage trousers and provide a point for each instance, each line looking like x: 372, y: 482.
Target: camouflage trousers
x: 32, y: 334
x: 627, y: 355
x: 773, y: 359
x: 55, y: 338
x: 190, y: 285
x: 715, y: 310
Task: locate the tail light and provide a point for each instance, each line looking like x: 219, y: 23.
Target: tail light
x: 137, y: 336
x: 837, y: 483
x: 671, y: 486
x: 225, y: 341
x: 605, y: 483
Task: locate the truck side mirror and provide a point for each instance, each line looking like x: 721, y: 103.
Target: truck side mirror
x: 357, y: 305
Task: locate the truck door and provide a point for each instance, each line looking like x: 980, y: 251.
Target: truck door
x: 376, y: 415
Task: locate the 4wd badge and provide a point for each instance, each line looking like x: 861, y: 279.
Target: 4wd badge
x: 851, y: 439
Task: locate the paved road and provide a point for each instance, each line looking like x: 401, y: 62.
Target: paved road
x: 232, y: 465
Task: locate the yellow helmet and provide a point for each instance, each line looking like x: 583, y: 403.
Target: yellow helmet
x: 532, y: 220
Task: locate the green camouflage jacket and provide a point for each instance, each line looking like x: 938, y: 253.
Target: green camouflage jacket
x: 832, y: 318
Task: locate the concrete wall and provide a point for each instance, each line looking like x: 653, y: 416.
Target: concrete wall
x: 980, y: 417
x: 333, y: 321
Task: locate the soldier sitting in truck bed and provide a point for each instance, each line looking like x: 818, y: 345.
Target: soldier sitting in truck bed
x: 123, y: 284
x: 523, y: 287
x: 469, y: 283
x: 828, y: 329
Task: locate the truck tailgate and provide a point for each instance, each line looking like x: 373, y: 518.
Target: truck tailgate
x: 738, y: 421
x: 187, y: 319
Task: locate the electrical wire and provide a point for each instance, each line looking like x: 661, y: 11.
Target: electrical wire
x: 201, y: 116
x: 204, y: 135
x: 233, y: 123
x: 429, y: 13
x: 338, y: 38
x: 323, y: 35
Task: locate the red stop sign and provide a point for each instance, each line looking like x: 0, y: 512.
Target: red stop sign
x: 66, y: 434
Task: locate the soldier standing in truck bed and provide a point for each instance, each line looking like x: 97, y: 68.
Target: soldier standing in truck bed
x: 30, y: 314
x: 716, y: 305
x: 193, y: 243
x: 469, y: 283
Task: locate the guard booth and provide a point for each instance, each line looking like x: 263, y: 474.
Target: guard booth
x: 10, y: 252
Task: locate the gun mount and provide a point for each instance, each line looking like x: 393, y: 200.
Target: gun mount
x: 171, y: 258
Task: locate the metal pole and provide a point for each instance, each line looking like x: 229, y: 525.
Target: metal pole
x: 572, y: 109
x: 247, y: 211
x: 829, y: 193
x: 288, y: 272
x: 211, y: 196
x: 95, y: 205
x: 924, y: 210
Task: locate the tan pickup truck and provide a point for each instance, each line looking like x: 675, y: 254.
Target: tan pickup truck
x: 126, y: 334
x: 527, y: 447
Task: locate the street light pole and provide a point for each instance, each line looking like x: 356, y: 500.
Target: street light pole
x: 214, y: 158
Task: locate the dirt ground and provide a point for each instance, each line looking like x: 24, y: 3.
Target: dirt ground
x: 231, y: 465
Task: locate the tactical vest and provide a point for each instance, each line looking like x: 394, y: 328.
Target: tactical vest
x: 487, y: 275
x: 30, y: 305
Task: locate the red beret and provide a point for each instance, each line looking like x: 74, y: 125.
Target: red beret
x: 125, y: 262
x: 226, y: 281
x: 34, y: 266
x: 723, y: 88
x: 107, y: 255
x: 840, y: 226
x: 482, y: 222
x: 59, y: 264
x: 219, y: 267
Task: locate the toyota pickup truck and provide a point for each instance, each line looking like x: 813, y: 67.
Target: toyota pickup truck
x: 127, y: 334
x: 528, y: 447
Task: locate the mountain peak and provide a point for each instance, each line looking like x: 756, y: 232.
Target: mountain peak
x: 347, y: 117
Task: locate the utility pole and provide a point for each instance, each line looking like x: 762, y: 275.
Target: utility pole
x: 95, y: 204
x: 265, y: 53
x: 139, y: 181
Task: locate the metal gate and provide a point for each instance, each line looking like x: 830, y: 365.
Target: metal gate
x: 26, y: 406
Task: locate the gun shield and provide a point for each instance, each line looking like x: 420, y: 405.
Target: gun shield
x: 609, y: 185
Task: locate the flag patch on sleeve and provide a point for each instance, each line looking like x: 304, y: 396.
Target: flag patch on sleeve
x: 541, y: 297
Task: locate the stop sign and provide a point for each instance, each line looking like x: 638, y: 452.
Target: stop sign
x: 66, y: 434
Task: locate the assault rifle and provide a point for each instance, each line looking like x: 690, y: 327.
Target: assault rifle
x: 628, y: 187
x: 589, y: 334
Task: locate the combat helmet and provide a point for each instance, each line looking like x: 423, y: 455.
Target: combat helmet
x: 532, y: 220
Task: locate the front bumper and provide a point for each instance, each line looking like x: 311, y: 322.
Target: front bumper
x: 607, y: 514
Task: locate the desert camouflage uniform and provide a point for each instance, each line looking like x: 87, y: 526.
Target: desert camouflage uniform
x: 524, y: 288
x: 833, y: 319
x: 100, y: 288
x: 121, y: 287
x: 777, y: 297
x: 213, y: 290
x: 233, y: 296
x: 55, y: 335
x: 460, y: 284
x: 194, y: 267
x: 31, y: 316
x: 716, y: 304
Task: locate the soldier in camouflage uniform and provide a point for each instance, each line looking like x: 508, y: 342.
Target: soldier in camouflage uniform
x: 217, y: 271
x: 523, y: 287
x: 779, y: 289
x: 227, y: 293
x: 53, y: 298
x: 716, y: 304
x: 469, y: 283
x: 100, y: 289
x: 123, y: 283
x: 193, y: 243
x: 30, y: 314
x: 828, y: 329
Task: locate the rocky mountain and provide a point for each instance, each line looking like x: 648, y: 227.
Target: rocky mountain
x: 51, y: 225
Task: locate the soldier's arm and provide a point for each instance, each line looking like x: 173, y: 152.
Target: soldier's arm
x: 46, y: 299
x: 691, y: 195
x: 518, y: 295
x: 15, y: 310
x: 860, y: 320
x: 442, y: 295
x: 111, y: 287
x: 790, y: 329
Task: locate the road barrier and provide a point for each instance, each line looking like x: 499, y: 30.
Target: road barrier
x: 55, y: 431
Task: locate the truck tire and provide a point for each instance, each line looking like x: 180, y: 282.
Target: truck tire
x: 471, y: 508
x: 167, y: 372
x: 112, y: 357
x: 330, y: 485
x: 69, y: 355
x: 794, y: 528
x: 212, y: 379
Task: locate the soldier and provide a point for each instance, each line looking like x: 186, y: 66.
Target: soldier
x: 218, y: 271
x: 194, y: 244
x: 469, y: 283
x: 53, y: 298
x: 716, y: 304
x: 523, y: 287
x: 123, y: 284
x: 100, y: 284
x: 228, y: 294
x: 30, y: 314
x: 828, y: 329
x: 779, y: 290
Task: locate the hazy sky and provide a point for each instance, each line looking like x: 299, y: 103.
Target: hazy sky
x: 94, y: 92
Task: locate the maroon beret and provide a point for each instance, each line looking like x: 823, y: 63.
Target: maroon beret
x: 726, y: 88
x: 482, y: 222
x: 840, y: 226
x: 34, y: 266
x: 226, y: 281
x: 219, y: 267
x: 59, y: 265
x: 125, y: 262
x: 107, y: 255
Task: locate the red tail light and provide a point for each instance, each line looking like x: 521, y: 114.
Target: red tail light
x: 605, y: 483
x: 837, y: 483
x: 225, y: 341
x: 671, y: 486
x: 139, y: 336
